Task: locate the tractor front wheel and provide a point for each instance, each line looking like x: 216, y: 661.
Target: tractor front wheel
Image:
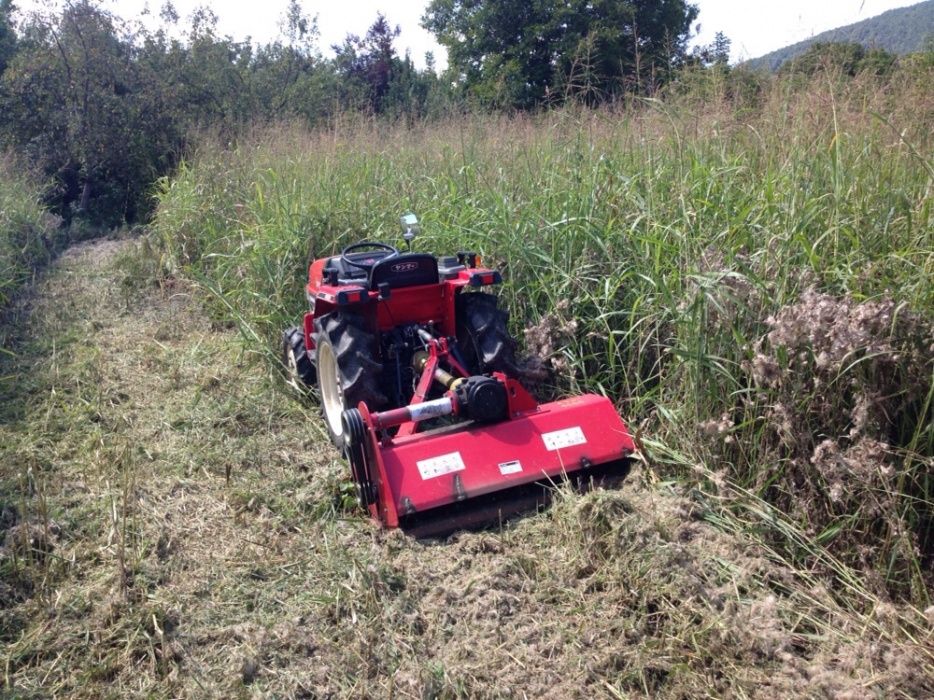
x: 348, y: 369
x: 298, y: 360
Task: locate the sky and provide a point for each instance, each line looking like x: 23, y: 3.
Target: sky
x: 755, y: 27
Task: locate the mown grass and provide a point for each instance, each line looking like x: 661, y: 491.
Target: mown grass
x: 752, y: 283
x: 27, y: 235
x: 173, y: 527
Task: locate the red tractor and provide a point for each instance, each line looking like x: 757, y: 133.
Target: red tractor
x: 421, y: 391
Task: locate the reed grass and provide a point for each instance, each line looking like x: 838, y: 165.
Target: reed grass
x: 26, y: 229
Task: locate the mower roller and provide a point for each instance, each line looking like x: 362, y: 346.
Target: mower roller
x: 421, y: 391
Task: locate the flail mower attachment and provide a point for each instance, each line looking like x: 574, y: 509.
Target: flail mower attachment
x: 507, y: 458
x: 420, y: 389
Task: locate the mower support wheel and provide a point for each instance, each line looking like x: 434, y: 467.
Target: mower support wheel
x: 348, y: 369
x: 298, y: 360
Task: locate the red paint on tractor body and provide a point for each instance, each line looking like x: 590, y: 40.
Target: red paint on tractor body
x: 406, y: 474
x: 419, y: 304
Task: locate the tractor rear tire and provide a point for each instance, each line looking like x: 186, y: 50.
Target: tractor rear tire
x: 298, y: 360
x: 482, y: 335
x: 348, y: 369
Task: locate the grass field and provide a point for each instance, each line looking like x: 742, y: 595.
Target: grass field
x: 753, y: 284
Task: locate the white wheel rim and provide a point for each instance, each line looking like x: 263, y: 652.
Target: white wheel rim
x: 332, y: 395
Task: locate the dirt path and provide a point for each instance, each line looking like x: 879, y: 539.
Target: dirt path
x: 173, y: 525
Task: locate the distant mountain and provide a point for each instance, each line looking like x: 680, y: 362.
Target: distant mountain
x: 899, y: 31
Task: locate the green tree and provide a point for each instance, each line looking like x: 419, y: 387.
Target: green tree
x: 720, y: 53
x: 878, y: 62
x: 78, y: 99
x: 414, y: 93
x: 520, y: 54
x: 716, y: 53
x: 288, y: 77
x: 63, y: 93
x: 7, y: 33
x: 369, y: 63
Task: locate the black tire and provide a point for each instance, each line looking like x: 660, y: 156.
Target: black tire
x: 482, y: 335
x: 348, y: 369
x: 299, y: 362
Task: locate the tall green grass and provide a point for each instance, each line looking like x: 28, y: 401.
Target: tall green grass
x: 25, y: 229
x: 658, y: 247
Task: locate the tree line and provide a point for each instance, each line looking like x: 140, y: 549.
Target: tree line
x: 103, y: 106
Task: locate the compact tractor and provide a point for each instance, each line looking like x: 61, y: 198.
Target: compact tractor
x: 421, y: 391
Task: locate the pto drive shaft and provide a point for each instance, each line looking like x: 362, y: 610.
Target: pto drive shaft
x: 415, y: 413
x: 481, y: 399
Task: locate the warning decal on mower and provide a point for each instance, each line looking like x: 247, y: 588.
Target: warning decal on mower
x: 564, y: 438
x: 513, y: 467
x: 441, y: 465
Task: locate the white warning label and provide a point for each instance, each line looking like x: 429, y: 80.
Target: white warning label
x: 513, y: 467
x: 564, y: 438
x: 441, y: 465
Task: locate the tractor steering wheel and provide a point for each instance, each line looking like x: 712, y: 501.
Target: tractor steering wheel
x: 345, y: 253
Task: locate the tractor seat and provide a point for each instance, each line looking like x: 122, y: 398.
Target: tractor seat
x: 405, y: 270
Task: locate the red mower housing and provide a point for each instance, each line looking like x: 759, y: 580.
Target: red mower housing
x: 421, y: 391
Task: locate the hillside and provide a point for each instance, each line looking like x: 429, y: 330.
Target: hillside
x: 898, y: 31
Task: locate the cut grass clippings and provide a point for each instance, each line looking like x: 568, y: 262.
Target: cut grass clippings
x: 176, y: 526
